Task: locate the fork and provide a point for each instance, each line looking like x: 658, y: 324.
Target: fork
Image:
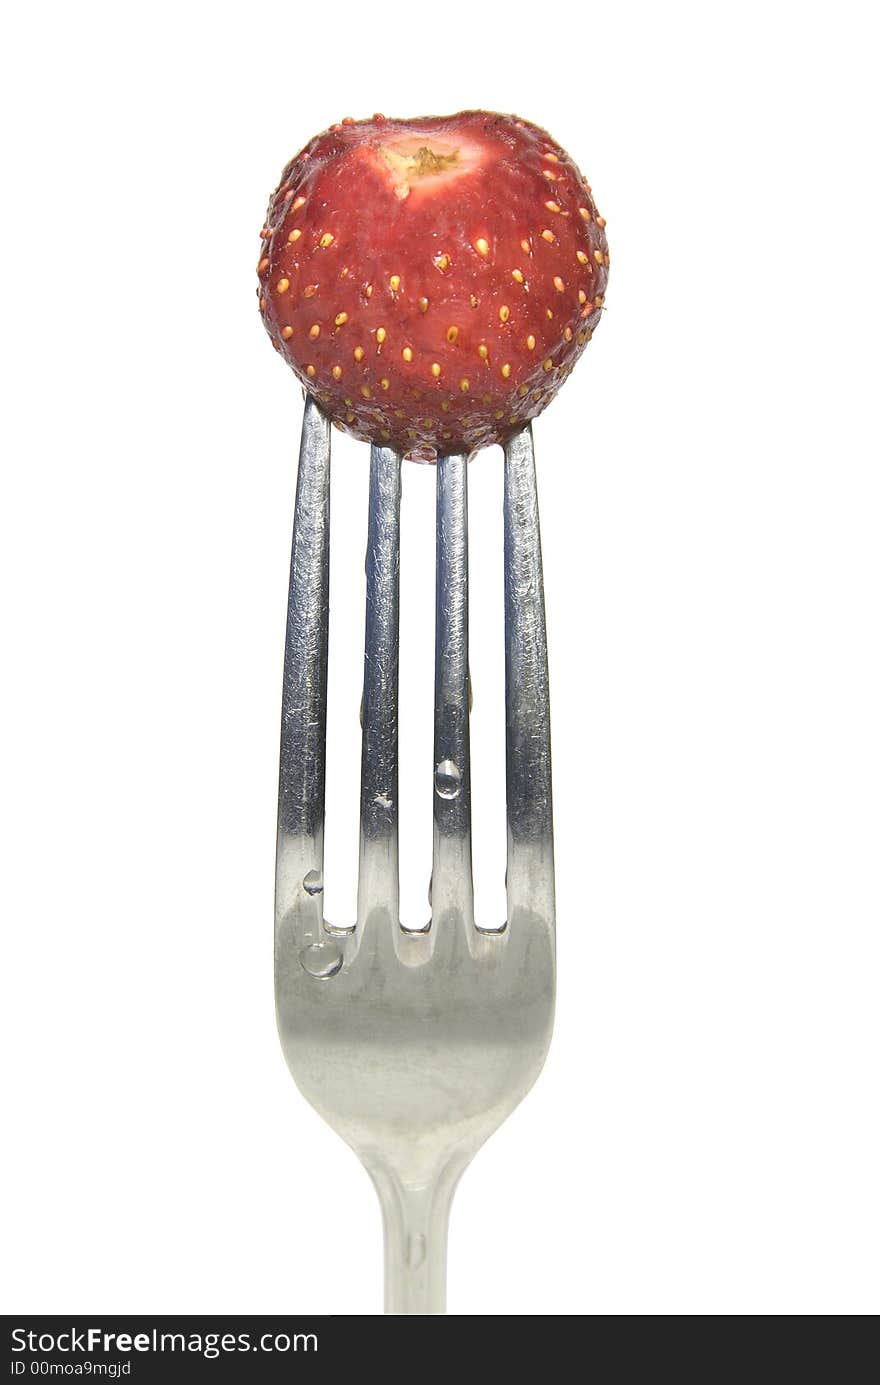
x: 414, y: 1045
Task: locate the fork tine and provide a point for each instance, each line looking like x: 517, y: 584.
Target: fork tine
x: 304, y: 696
x: 452, y: 880
x: 529, y: 792
x: 378, y: 875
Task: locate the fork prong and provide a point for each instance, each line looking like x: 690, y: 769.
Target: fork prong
x: 304, y: 697
x: 378, y: 876
x: 529, y: 794
x: 452, y: 881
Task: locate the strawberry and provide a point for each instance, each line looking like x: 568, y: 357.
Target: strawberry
x: 432, y: 282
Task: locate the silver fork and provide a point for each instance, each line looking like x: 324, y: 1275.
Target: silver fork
x: 414, y: 1045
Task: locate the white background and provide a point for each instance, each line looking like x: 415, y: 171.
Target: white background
x: 704, y: 1138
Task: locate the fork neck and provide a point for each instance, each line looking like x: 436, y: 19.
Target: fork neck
x: 416, y: 1223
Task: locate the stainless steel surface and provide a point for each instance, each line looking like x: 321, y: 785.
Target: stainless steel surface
x: 300, y: 852
x: 529, y: 793
x: 377, y: 869
x: 452, y: 889
x: 414, y: 1046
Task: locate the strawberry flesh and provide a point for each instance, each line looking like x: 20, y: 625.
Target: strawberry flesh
x: 432, y: 282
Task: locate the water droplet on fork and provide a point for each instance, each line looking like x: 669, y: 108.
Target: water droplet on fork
x: 447, y: 779
x: 312, y: 883
x: 321, y: 960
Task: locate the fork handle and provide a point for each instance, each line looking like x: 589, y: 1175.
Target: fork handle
x: 416, y: 1224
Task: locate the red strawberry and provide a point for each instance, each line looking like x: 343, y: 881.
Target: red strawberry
x: 432, y: 282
